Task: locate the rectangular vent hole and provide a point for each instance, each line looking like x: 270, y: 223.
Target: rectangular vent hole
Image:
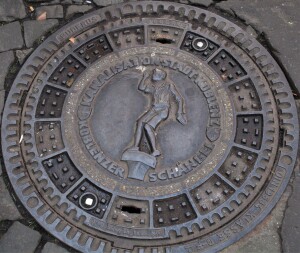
x: 164, y: 41
x: 131, y: 209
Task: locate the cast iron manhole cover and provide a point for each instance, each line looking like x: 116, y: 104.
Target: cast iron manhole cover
x: 159, y: 127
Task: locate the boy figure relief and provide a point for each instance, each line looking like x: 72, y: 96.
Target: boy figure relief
x: 161, y: 90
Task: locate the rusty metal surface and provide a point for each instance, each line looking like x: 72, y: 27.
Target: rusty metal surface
x: 160, y: 128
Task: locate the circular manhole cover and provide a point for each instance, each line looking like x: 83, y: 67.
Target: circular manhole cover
x: 158, y: 127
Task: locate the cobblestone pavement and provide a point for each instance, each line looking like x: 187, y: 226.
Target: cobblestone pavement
x: 25, y: 24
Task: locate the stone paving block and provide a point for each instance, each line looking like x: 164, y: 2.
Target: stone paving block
x: 107, y: 2
x: 22, y: 54
x: 11, y: 36
x: 49, y: 2
x: 8, y: 209
x: 6, y: 59
x: 53, y: 248
x: 53, y: 11
x: 73, y: 9
x: 66, y: 2
x: 78, y: 1
x: 19, y: 238
x: 201, y: 2
x: 279, y: 20
x: 11, y: 10
x: 34, y: 29
x: 42, y: 1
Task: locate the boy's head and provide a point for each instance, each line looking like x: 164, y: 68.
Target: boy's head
x: 159, y: 75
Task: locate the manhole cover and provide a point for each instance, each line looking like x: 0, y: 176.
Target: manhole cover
x: 158, y: 127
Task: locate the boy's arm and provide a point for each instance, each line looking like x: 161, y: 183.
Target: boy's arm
x: 144, y: 82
